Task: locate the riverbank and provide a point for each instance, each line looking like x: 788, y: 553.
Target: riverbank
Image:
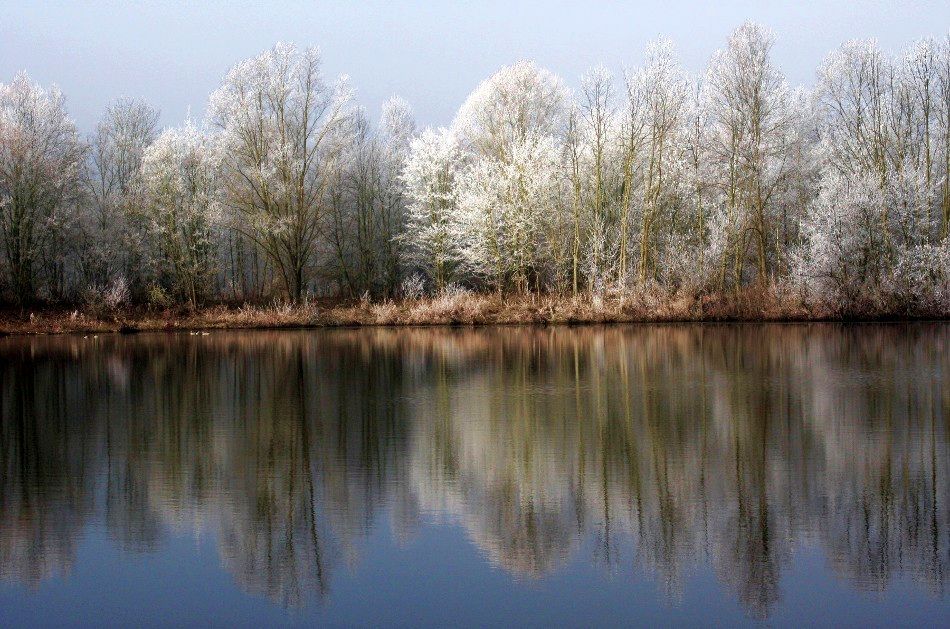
x: 455, y: 309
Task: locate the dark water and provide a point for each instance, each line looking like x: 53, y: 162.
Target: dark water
x: 626, y: 475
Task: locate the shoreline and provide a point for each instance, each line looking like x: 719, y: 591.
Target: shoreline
x: 451, y: 310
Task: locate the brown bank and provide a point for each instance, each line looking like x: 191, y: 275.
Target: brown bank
x: 455, y: 309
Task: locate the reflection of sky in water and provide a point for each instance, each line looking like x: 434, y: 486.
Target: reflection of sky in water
x: 509, y: 476
x: 438, y: 578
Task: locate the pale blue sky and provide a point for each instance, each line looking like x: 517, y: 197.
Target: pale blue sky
x: 431, y: 53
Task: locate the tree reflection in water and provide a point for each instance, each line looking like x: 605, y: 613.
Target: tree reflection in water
x: 721, y: 445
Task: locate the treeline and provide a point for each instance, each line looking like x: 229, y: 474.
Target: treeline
x: 837, y: 196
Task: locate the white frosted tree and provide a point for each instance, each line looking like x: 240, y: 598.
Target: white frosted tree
x: 657, y: 183
x: 518, y: 101
x: 942, y: 135
x: 511, y: 131
x: 840, y: 263
x: 686, y: 261
x: 601, y: 146
x: 918, y: 280
x: 430, y: 178
x: 851, y: 97
x: 508, y: 210
x: 923, y: 109
x: 886, y: 117
x: 757, y: 129
x: 182, y: 208
x: 396, y: 132
x: 664, y: 88
x: 41, y: 156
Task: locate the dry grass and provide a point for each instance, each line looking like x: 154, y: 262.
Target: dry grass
x: 459, y: 308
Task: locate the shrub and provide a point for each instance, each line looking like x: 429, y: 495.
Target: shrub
x: 108, y: 298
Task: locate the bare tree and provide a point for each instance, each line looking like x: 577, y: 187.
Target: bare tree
x: 368, y: 205
x: 110, y: 181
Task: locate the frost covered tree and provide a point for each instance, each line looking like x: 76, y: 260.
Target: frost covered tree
x: 430, y: 179
x: 397, y: 129
x: 182, y: 208
x: 918, y: 278
x: 686, y: 262
x: 923, y: 88
x: 884, y: 119
x: 507, y: 209
x: 756, y: 128
x: 841, y: 262
x: 511, y: 131
x: 599, y: 165
x: 621, y: 158
x: 283, y: 135
x: 942, y: 131
x: 517, y: 101
x: 851, y: 95
x: 664, y: 88
x: 41, y: 155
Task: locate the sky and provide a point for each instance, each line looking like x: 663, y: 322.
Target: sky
x: 431, y: 53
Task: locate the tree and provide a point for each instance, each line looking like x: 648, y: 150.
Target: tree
x: 110, y: 181
x: 661, y: 182
x: 851, y: 96
x: 511, y: 130
x: 756, y: 126
x: 663, y: 86
x: 179, y: 176
x: 598, y: 149
x: 368, y: 205
x: 40, y: 159
x: 506, y: 209
x: 942, y: 112
x: 397, y: 129
x: 517, y: 101
x: 887, y: 117
x: 841, y: 263
x: 283, y: 135
x: 429, y: 176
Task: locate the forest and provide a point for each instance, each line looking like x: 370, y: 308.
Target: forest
x: 653, y: 187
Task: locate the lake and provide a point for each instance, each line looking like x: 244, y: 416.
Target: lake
x: 680, y: 474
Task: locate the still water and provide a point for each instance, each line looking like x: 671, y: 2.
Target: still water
x: 692, y: 474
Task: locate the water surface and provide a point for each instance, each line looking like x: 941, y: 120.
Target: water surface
x: 690, y: 474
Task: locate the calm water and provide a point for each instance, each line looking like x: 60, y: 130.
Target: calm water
x: 682, y: 474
